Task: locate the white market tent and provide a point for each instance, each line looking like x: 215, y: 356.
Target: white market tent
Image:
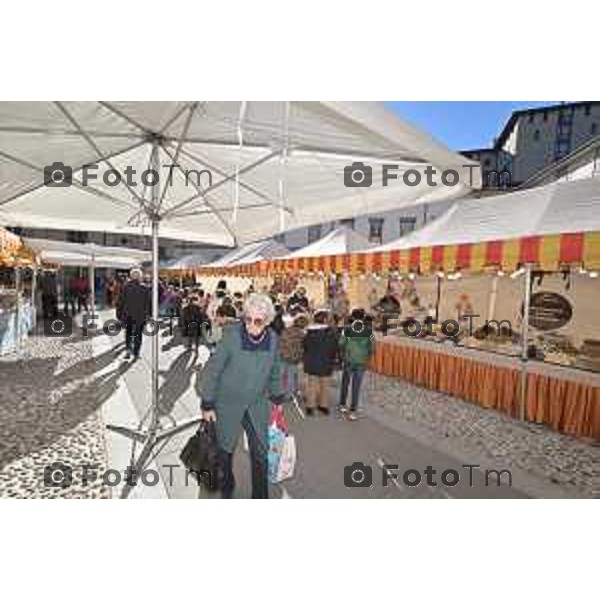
x: 341, y: 240
x: 92, y: 256
x: 250, y: 253
x: 189, y: 261
x: 560, y: 207
x: 87, y: 255
x: 236, y: 172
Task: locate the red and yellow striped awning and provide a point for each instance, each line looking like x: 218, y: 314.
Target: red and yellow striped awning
x: 550, y: 253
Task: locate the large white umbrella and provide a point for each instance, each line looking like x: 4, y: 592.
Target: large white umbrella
x: 239, y: 172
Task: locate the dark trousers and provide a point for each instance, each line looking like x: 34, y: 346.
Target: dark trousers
x: 258, y: 465
x: 133, y: 337
x: 355, y: 374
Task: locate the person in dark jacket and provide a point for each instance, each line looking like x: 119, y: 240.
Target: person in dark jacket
x: 236, y: 384
x: 194, y: 321
x: 133, y: 308
x: 356, y: 344
x: 278, y: 324
x: 298, y: 300
x: 320, y: 354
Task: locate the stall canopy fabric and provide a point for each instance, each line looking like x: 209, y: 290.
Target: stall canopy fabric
x: 250, y: 253
x: 244, y: 170
x: 9, y: 242
x: 187, y: 262
x: 560, y: 207
x: 57, y: 252
x: 341, y: 240
x: 550, y: 225
x: 13, y: 251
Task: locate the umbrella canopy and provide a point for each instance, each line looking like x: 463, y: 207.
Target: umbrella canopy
x: 244, y: 170
x: 341, y: 240
x: 85, y: 255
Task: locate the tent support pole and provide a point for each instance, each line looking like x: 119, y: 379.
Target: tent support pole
x: 92, y: 276
x: 34, y: 269
x: 18, y: 307
x: 525, y: 342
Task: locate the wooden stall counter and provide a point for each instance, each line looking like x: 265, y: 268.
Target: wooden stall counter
x: 566, y: 399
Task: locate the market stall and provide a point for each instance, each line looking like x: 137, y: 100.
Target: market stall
x: 527, y: 265
x: 235, y: 267
x: 17, y: 299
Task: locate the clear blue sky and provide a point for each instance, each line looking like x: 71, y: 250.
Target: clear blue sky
x: 461, y: 125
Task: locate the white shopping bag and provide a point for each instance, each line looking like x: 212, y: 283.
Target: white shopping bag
x: 287, y: 462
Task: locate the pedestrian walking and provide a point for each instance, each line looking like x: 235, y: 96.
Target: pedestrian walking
x: 236, y: 384
x: 356, y: 345
x: 320, y: 353
x: 133, y: 309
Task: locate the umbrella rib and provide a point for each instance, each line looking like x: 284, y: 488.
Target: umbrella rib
x: 188, y: 121
x: 77, y: 183
x: 175, y: 117
x: 203, y: 163
x: 127, y: 118
x: 97, y: 150
x: 38, y: 130
x: 287, y: 209
x: 223, y: 181
x: 208, y: 203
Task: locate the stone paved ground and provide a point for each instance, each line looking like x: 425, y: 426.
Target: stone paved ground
x: 573, y: 464
x: 49, y: 401
x: 50, y: 393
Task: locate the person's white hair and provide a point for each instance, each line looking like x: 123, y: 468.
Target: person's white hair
x: 259, y: 305
x: 136, y: 271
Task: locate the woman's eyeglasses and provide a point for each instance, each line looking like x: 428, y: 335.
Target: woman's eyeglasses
x: 258, y: 322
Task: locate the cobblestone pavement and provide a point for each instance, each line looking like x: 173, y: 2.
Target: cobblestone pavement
x: 49, y: 400
x: 571, y: 463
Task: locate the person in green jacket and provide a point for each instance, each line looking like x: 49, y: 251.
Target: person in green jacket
x: 356, y: 345
x: 238, y: 381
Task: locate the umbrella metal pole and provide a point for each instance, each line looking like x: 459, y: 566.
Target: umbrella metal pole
x: 155, y: 299
x: 156, y: 433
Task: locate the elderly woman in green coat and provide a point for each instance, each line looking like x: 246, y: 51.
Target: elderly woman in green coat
x: 237, y: 383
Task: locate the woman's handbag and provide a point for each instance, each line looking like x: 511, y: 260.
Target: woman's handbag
x: 200, y: 456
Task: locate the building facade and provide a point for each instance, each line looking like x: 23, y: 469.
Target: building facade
x: 534, y: 139
x: 378, y: 228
